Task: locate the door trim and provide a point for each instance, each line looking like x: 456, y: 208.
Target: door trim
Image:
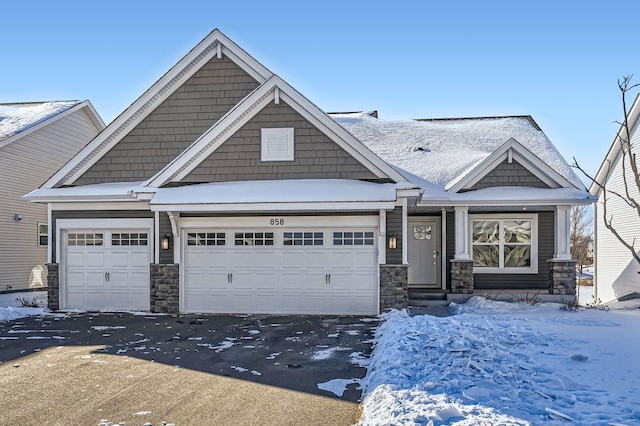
x: 441, y: 244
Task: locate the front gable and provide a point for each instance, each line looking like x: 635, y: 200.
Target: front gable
x: 315, y: 155
x: 183, y: 111
x: 173, y: 125
x: 509, y: 165
x: 509, y: 174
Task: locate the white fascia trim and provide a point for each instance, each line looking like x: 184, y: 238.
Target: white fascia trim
x: 497, y: 203
x: 104, y: 205
x: 370, y: 221
x: 406, y: 193
x: 552, y: 177
x: 155, y: 95
x: 613, y: 155
x: 277, y: 207
x: 93, y: 115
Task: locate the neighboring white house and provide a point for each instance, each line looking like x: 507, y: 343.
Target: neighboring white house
x: 617, y: 274
x: 36, y: 139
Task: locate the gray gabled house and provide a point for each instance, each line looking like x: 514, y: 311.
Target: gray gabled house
x: 223, y: 189
x: 36, y: 139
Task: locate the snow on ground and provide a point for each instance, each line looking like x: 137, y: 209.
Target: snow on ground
x: 505, y: 363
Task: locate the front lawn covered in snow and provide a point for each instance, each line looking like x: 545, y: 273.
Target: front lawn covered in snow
x: 505, y: 363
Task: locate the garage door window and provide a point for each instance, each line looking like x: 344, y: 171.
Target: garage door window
x: 206, y: 239
x: 85, y: 239
x: 254, y: 238
x: 353, y: 238
x: 303, y: 238
x: 129, y: 239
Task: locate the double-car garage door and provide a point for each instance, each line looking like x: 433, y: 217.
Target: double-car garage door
x: 295, y: 270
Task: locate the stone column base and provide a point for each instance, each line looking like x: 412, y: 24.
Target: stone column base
x: 562, y: 277
x: 53, y: 288
x: 394, y: 286
x: 165, y: 288
x: 462, y: 276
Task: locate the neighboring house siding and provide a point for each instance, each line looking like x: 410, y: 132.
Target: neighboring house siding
x: 315, y: 155
x: 394, y: 226
x: 617, y: 273
x: 25, y: 164
x: 93, y: 214
x: 194, y: 107
x: 509, y: 174
x: 526, y: 281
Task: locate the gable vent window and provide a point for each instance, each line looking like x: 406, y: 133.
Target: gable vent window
x: 277, y: 144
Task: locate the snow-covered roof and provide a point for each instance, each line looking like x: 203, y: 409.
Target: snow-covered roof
x: 18, y: 117
x: 277, y: 191
x: 441, y: 151
x: 123, y: 190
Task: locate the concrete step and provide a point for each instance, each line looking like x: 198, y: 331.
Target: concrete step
x: 426, y: 294
x: 428, y: 303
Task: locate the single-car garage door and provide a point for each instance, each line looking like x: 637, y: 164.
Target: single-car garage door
x: 294, y: 270
x: 106, y: 269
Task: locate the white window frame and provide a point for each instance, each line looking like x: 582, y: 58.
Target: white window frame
x: 284, y: 132
x: 41, y: 234
x: 533, y: 267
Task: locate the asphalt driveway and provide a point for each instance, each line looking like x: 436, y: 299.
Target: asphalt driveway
x: 111, y: 368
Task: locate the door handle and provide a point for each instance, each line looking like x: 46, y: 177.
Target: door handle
x: 230, y: 278
x: 328, y: 278
x: 106, y: 276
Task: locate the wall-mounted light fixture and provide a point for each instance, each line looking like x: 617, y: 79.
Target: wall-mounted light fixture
x: 17, y: 217
x: 393, y: 241
x: 165, y: 242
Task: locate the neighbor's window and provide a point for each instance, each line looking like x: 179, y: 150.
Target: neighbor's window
x: 43, y: 234
x: 277, y: 144
x: 504, y: 244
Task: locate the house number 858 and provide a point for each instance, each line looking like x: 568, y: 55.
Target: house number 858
x: 276, y: 221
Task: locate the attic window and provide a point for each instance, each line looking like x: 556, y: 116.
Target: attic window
x: 277, y: 144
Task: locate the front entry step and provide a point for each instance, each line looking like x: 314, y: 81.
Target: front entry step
x: 421, y: 297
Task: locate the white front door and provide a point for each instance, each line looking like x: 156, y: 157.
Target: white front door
x: 106, y: 269
x: 424, y: 252
x: 286, y: 270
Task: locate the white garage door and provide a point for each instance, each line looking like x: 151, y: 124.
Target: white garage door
x: 309, y: 271
x: 106, y: 269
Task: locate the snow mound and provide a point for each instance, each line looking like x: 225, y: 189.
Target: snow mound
x: 11, y: 313
x: 504, y: 363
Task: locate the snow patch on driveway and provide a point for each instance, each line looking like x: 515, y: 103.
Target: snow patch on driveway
x: 337, y: 386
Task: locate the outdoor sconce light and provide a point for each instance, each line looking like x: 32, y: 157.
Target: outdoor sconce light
x: 164, y: 242
x: 393, y: 241
x: 17, y: 217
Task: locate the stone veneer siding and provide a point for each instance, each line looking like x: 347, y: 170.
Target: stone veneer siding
x: 53, y: 290
x: 562, y: 277
x: 165, y: 288
x: 394, y: 287
x: 462, y: 276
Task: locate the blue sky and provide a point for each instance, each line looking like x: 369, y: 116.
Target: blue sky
x: 555, y: 60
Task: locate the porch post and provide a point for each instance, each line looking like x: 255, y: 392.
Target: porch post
x: 563, y: 233
x: 405, y: 238
x: 562, y: 269
x: 462, y: 234
x: 462, y: 280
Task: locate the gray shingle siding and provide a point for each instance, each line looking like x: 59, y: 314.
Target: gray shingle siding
x: 509, y: 174
x: 166, y: 256
x: 316, y: 156
x: 194, y: 107
x: 394, y: 226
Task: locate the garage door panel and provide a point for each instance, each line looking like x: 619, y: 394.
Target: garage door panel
x: 94, y: 259
x: 75, y: 259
